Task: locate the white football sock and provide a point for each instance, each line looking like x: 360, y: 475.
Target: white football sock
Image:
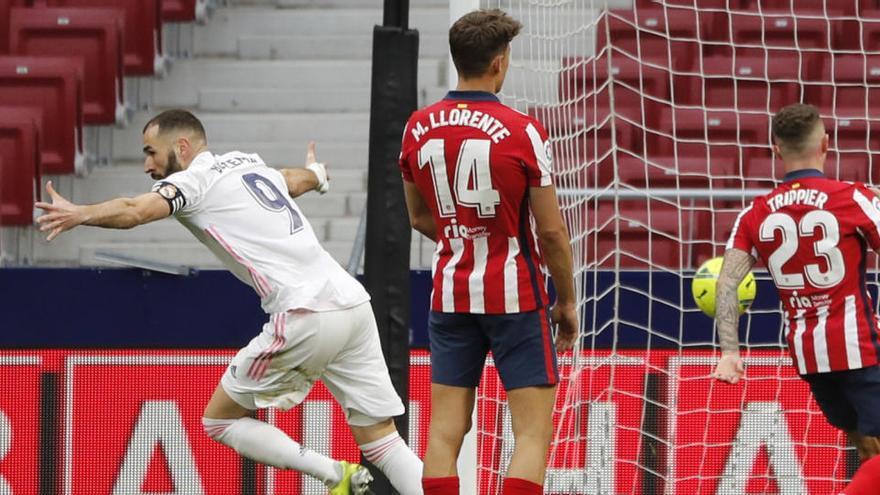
x: 266, y: 444
x: 399, y: 464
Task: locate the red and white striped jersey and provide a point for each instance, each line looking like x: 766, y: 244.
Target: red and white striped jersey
x: 813, y: 234
x: 473, y: 160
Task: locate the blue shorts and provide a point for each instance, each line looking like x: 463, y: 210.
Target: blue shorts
x: 521, y: 344
x: 849, y: 399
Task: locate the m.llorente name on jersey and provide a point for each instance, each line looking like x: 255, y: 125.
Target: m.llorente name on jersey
x: 463, y: 118
x: 233, y: 162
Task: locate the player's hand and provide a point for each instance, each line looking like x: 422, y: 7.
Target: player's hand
x: 730, y: 368
x: 319, y: 169
x: 60, y: 215
x: 565, y: 317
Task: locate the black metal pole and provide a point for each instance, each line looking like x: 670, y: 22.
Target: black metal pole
x: 393, y: 97
x: 396, y: 14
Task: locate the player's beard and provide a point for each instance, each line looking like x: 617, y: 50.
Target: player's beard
x: 173, y: 166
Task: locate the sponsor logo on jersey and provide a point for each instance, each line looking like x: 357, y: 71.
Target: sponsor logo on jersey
x: 456, y: 231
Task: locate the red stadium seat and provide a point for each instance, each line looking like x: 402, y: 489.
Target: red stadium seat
x: 703, y: 4
x: 5, y: 8
x: 143, y: 31
x: 19, y: 164
x: 94, y: 35
x: 763, y: 173
x: 857, y: 34
x: 767, y: 173
x: 646, y: 232
x: 848, y: 135
x: 645, y: 34
x: 741, y: 83
x: 709, y: 134
x: 778, y: 29
x: 713, y: 229
x: 704, y: 15
x: 855, y: 92
x: 777, y: 35
x: 848, y: 167
x: 854, y: 166
x: 806, y: 7
x: 635, y: 84
x: 183, y: 10
x: 54, y: 86
x: 590, y: 119
x: 669, y: 172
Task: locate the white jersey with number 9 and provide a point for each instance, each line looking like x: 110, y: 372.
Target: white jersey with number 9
x: 240, y: 209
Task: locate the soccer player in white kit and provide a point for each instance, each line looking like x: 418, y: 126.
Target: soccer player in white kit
x: 321, y: 324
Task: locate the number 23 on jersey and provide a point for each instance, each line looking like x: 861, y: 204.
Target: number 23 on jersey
x: 826, y: 229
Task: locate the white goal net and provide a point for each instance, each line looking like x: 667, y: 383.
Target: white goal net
x: 659, y: 115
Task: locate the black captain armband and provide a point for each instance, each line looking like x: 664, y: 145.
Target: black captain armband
x: 172, y: 194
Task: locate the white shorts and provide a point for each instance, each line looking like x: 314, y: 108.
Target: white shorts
x: 341, y: 348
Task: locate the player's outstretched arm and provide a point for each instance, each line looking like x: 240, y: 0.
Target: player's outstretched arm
x: 736, y: 266
x: 556, y: 246
x: 311, y: 177
x: 120, y: 213
x: 420, y: 217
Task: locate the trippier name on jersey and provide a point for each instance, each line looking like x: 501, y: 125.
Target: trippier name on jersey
x: 797, y: 196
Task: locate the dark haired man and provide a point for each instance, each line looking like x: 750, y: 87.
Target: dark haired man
x: 321, y: 324
x: 813, y: 233
x: 473, y: 172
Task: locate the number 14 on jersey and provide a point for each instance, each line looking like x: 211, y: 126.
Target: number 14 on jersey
x: 473, y: 177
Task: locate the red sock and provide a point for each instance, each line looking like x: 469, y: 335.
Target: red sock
x: 867, y: 478
x: 517, y: 486
x: 440, y: 486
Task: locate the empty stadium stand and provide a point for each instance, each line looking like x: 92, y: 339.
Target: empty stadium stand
x: 62, y: 64
x: 264, y: 76
x: 693, y: 94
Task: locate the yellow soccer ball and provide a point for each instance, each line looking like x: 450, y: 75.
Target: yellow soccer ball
x: 703, y: 287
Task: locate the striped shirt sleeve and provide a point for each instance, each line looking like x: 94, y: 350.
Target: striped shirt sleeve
x: 402, y: 160
x: 740, y: 235
x: 538, y: 157
x: 868, y: 215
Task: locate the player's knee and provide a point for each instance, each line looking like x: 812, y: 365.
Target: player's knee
x: 449, y: 434
x: 870, y: 447
x: 216, y: 428
x: 537, y: 434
